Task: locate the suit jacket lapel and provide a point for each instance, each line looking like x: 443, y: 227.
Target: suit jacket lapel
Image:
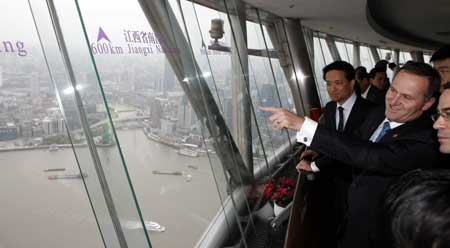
x: 353, y: 118
x: 332, y: 115
x: 372, y: 123
x: 405, y: 129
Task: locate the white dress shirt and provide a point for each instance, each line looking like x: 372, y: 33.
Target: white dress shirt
x: 347, y: 106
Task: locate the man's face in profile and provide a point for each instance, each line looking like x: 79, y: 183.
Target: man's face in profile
x: 442, y: 123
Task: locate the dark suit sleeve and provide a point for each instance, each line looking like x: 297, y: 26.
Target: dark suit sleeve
x: 324, y: 163
x: 333, y: 167
x: 393, y: 158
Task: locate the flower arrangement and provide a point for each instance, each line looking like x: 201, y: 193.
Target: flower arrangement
x: 280, y: 191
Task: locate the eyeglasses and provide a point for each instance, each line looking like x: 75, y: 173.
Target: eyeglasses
x: 444, y: 115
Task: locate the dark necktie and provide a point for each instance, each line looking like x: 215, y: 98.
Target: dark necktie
x: 384, y: 130
x: 341, y: 119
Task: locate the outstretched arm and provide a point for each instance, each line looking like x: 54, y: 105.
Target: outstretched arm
x: 282, y: 118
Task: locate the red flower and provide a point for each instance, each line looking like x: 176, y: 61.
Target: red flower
x: 288, y: 181
x: 268, y: 191
x: 281, y: 191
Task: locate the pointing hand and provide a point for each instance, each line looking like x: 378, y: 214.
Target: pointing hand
x: 282, y: 118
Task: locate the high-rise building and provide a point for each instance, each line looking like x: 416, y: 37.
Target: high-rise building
x: 61, y: 126
x: 53, y: 126
x: 156, y: 112
x: 168, y: 127
x: 186, y: 116
x: 169, y: 80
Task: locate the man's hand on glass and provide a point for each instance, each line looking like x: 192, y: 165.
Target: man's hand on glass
x: 282, y: 118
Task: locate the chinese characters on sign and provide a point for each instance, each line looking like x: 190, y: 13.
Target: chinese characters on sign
x: 137, y: 42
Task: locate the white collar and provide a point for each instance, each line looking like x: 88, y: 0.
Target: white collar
x: 348, y: 104
x: 393, y: 124
x: 366, y: 91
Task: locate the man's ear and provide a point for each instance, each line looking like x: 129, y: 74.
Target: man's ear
x: 428, y: 103
x: 352, y: 83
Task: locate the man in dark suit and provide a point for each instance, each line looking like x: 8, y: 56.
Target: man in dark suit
x: 392, y: 141
x: 417, y: 205
x: 368, y: 91
x: 360, y: 70
x: 378, y: 78
x: 328, y: 195
x: 441, y: 62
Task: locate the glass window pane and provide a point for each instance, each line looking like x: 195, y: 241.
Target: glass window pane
x: 322, y: 57
x: 366, y: 58
x: 404, y: 57
x: 345, y: 51
x: 349, y: 50
x: 46, y: 203
x: 166, y: 148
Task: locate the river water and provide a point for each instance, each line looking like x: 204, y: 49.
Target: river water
x: 37, y: 212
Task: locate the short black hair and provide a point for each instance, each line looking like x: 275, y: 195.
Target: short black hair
x: 361, y: 72
x: 441, y: 54
x: 360, y: 68
x: 382, y: 64
x: 376, y: 70
x: 417, y: 209
x: 340, y: 65
x: 392, y: 65
x: 424, y: 70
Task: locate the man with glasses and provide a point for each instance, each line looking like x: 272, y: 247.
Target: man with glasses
x: 392, y: 141
x: 442, y: 120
